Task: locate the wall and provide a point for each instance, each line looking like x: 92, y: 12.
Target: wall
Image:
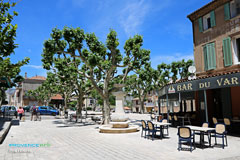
x: 215, y: 34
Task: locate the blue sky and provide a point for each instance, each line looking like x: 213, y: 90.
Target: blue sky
x: 166, y: 30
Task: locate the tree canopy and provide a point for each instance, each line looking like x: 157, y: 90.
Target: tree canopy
x: 99, y: 61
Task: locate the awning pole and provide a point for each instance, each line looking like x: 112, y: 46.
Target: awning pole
x: 167, y: 108
x: 205, y: 105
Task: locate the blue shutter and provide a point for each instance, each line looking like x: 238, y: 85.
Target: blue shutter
x: 212, y: 18
x: 200, y: 24
x: 227, y: 15
x: 227, y: 51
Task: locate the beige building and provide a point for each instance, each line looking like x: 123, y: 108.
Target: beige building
x: 19, y: 98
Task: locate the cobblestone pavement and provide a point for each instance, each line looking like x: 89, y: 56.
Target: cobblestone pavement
x: 68, y: 141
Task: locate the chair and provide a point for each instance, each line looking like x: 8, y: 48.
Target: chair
x: 176, y: 122
x: 227, y: 123
x: 185, y: 135
x: 214, y: 121
x: 220, y: 132
x: 152, y: 129
x: 187, y: 119
x: 144, y: 128
x: 165, y: 127
x: 153, y: 117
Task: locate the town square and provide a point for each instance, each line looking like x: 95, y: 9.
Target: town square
x: 107, y: 79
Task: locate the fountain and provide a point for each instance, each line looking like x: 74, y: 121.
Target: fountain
x: 119, y: 120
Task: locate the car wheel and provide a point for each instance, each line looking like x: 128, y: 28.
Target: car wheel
x: 54, y: 114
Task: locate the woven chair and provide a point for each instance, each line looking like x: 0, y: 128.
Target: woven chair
x: 220, y: 132
x: 227, y: 123
x: 214, y: 121
x: 144, y: 128
x: 152, y: 130
x: 185, y: 135
x: 153, y: 117
x: 176, y: 122
x: 165, y: 127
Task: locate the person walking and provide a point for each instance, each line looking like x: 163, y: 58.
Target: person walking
x: 20, y: 112
x: 34, y: 112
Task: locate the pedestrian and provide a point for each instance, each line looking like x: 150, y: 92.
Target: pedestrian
x: 20, y: 112
x: 34, y: 112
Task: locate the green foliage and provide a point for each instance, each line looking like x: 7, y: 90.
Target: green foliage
x: 7, y: 46
x: 7, y: 30
x: 99, y: 62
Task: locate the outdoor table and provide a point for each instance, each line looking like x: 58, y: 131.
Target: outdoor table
x: 161, y: 124
x: 202, y: 130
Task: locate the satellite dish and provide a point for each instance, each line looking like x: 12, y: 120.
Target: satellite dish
x: 192, y: 69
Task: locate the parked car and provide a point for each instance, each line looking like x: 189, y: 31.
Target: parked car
x: 26, y: 108
x: 9, y: 110
x: 48, y: 110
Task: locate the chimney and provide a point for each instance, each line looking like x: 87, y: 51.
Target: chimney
x: 25, y: 75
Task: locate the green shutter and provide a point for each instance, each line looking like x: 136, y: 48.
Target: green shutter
x: 227, y: 11
x: 227, y: 51
x: 205, y: 57
x: 213, y: 20
x: 213, y: 56
x: 200, y: 24
x: 209, y: 56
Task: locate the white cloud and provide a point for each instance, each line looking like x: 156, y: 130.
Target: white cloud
x: 132, y: 16
x: 34, y: 66
x: 156, y: 60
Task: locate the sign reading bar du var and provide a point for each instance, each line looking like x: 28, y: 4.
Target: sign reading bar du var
x: 228, y: 80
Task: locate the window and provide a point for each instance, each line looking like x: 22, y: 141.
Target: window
x: 231, y: 9
x: 207, y: 21
x: 236, y: 50
x: 209, y: 56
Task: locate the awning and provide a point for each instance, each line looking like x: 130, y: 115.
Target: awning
x: 214, y: 82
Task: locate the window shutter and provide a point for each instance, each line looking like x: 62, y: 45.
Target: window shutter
x: 200, y: 23
x: 227, y: 51
x: 205, y: 57
x: 213, y: 56
x: 209, y: 56
x: 213, y: 20
x: 227, y: 11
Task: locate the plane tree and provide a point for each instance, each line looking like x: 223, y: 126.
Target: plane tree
x: 8, y: 70
x: 100, y: 62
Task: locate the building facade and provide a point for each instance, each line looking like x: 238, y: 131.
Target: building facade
x: 19, y: 98
x: 216, y: 35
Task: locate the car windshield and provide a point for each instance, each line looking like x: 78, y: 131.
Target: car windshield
x: 51, y: 108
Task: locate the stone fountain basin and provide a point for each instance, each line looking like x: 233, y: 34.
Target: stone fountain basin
x: 110, y: 129
x: 119, y: 124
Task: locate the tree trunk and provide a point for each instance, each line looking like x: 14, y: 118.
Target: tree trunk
x: 142, y: 105
x: 80, y: 106
x: 106, y: 111
x: 65, y: 103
